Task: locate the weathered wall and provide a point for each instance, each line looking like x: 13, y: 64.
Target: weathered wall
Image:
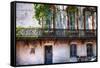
x: 60, y: 51
x: 24, y: 56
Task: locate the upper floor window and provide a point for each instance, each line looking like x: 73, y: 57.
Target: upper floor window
x: 88, y: 20
x: 90, y: 17
x: 72, y: 13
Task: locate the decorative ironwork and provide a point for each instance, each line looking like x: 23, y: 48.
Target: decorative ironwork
x: 31, y: 32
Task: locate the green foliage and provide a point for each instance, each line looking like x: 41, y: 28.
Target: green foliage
x: 72, y: 9
x: 42, y: 11
x: 18, y: 28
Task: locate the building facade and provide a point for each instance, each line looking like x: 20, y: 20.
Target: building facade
x: 68, y: 34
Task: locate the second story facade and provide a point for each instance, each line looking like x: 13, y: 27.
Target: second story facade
x: 59, y: 21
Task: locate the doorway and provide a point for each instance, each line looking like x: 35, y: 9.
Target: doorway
x: 48, y: 54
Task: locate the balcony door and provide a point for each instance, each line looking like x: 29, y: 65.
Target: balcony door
x: 88, y: 17
x: 72, y: 21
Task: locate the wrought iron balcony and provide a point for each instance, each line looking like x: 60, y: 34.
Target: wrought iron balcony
x: 55, y: 33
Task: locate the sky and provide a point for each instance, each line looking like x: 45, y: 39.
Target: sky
x: 24, y: 15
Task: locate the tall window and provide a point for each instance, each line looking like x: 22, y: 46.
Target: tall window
x: 72, y: 12
x: 73, y: 50
x: 87, y: 23
x: 89, y: 50
x: 95, y: 20
x: 72, y: 21
x: 90, y: 15
x: 61, y: 17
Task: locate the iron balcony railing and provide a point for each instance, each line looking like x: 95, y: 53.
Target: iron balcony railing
x: 36, y: 32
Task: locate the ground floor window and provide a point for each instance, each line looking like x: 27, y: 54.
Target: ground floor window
x: 89, y: 50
